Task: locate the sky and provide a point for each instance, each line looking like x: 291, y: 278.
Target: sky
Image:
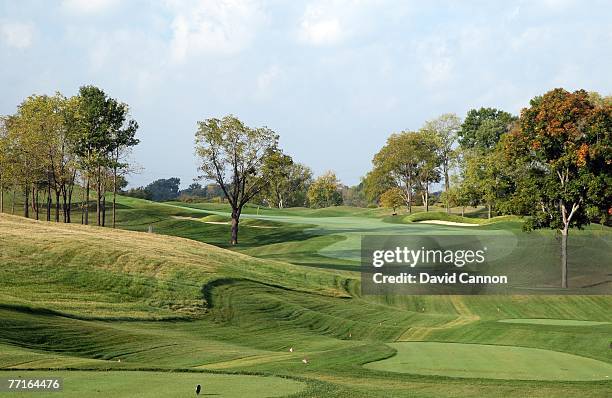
x: 333, y: 78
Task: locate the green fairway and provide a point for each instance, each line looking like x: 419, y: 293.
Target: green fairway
x: 158, y: 384
x: 559, y: 322
x: 490, y: 361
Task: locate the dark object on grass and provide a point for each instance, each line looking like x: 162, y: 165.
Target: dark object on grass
x: 198, y: 389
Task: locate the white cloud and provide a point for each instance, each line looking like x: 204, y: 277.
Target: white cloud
x: 321, y: 26
x: 214, y: 27
x: 17, y: 34
x: 89, y: 6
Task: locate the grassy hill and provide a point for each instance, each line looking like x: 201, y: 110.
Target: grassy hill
x: 86, y: 298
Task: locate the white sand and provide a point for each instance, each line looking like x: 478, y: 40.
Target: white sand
x: 451, y: 223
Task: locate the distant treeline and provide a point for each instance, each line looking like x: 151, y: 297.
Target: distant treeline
x: 169, y: 189
x: 56, y: 146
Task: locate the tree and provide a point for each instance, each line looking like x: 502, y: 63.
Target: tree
x: 94, y: 141
x: 233, y: 154
x: 486, y: 179
x: 458, y: 194
x: 288, y: 181
x: 28, y: 132
x: 445, y: 129
x: 123, y: 137
x: 396, y: 165
x: 164, y: 189
x: 4, y: 159
x: 325, y: 191
x: 427, y: 153
x: 355, y: 195
x: 565, y: 144
x: 481, y: 130
x: 392, y: 198
x: 276, y: 169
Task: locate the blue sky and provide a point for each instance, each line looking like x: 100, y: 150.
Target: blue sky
x: 333, y: 78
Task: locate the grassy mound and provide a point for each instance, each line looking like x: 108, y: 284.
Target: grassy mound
x: 442, y: 216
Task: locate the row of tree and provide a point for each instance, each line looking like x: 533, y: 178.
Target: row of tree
x: 54, y: 144
x: 553, y: 163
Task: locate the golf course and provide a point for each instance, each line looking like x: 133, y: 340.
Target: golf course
x: 164, y: 303
x: 305, y: 199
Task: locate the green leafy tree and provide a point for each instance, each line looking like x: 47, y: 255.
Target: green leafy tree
x: 325, y: 191
x: 123, y: 138
x: 93, y: 142
x: 233, y: 155
x: 565, y: 144
x: 288, y: 181
x: 445, y: 129
x: 164, y: 189
x: 482, y: 128
x: 392, y: 198
x: 398, y: 164
x: 427, y: 153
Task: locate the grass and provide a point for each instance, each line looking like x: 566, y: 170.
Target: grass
x: 82, y: 297
x: 491, y: 361
x: 145, y: 384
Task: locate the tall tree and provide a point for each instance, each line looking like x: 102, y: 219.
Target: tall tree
x: 28, y: 131
x: 288, y: 181
x: 565, y: 142
x: 123, y: 137
x: 4, y: 157
x: 276, y: 168
x: 482, y: 128
x: 396, y: 164
x: 233, y: 154
x: 164, y: 189
x: 445, y: 128
x: 325, y: 191
x: 94, y: 141
x: 392, y: 198
x: 427, y: 153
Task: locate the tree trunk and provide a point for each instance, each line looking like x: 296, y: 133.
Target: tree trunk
x: 564, y: 233
x: 86, y: 209
x: 1, y: 198
x: 69, y: 218
x: 49, y: 201
x: 26, y: 202
x: 235, y: 221
x: 35, y: 202
x: 98, y: 197
x: 104, y: 209
x: 446, y: 187
x: 57, y: 206
x: 114, y: 196
x: 13, y: 203
x: 65, y: 205
x: 489, y: 210
x: 462, y: 211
